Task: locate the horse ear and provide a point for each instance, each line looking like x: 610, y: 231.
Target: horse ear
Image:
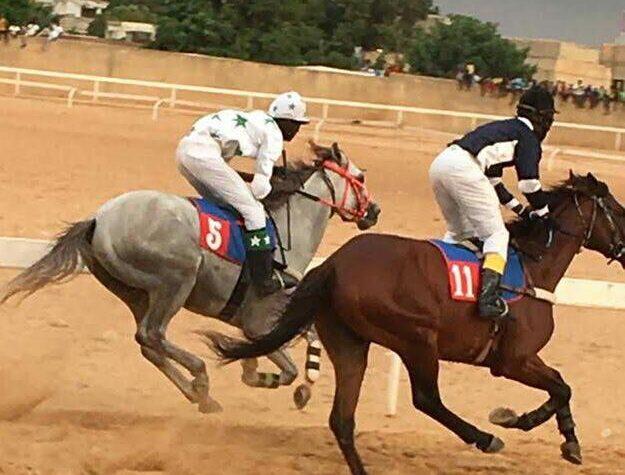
x: 336, y: 152
x: 321, y: 153
x: 592, y: 180
x: 571, y: 176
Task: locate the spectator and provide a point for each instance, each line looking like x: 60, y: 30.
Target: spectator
x: 605, y: 98
x: 14, y: 30
x: 54, y: 33
x: 4, y: 29
x: 29, y: 31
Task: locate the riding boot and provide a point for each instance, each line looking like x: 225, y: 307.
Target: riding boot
x: 491, y: 305
x: 260, y: 259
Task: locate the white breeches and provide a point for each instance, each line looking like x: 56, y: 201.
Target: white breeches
x: 200, y: 162
x: 468, y: 201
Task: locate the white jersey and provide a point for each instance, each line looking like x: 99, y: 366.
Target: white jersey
x: 32, y: 29
x: 55, y: 31
x: 250, y: 134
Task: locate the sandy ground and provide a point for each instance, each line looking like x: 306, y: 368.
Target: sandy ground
x: 77, y: 397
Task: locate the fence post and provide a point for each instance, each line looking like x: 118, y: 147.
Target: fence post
x: 18, y: 78
x: 250, y: 103
x: 473, y: 122
x: 324, y: 111
x: 400, y: 118
x: 392, y: 388
x: 173, y: 97
x: 619, y: 139
x: 96, y: 91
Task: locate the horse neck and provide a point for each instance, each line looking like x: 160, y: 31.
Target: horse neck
x: 550, y: 270
x: 308, y: 220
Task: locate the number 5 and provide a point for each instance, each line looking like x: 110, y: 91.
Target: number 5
x: 213, y: 237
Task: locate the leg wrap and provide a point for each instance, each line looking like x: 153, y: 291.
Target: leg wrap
x: 269, y: 380
x: 566, y: 425
x: 313, y: 361
x: 535, y: 418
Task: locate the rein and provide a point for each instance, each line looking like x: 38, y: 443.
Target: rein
x: 617, y: 246
x: 353, y: 184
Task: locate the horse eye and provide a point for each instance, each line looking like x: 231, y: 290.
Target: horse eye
x: 361, y: 178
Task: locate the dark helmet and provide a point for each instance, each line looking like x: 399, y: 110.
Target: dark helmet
x: 537, y: 99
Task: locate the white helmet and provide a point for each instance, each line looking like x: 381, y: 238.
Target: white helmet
x: 289, y: 106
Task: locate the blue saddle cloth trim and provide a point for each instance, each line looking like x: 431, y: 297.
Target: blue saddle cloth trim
x: 236, y: 251
x: 514, y: 276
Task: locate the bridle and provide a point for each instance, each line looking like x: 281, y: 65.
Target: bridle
x: 352, y: 183
x: 617, y: 246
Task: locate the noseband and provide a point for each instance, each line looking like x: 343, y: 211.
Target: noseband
x: 617, y: 246
x: 352, y: 183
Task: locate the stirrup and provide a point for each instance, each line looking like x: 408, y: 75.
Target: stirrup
x: 496, y: 317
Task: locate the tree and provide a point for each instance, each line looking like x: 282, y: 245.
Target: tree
x: 283, y: 31
x: 21, y: 12
x: 444, y: 48
x: 97, y: 27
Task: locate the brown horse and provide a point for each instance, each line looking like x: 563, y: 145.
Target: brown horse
x: 394, y: 292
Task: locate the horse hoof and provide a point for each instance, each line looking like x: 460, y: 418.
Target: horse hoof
x: 209, y: 406
x: 571, y: 452
x: 495, y: 445
x: 504, y: 417
x: 301, y: 396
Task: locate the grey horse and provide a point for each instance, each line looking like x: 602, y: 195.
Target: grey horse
x: 143, y: 246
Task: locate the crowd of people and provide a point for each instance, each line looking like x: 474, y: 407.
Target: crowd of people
x: 580, y: 95
x: 23, y: 32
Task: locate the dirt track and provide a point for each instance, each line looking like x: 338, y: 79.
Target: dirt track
x: 76, y: 396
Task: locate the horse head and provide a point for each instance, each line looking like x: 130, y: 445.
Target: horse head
x: 603, y: 217
x: 350, y: 198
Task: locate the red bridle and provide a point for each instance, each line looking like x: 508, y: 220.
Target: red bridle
x: 352, y: 183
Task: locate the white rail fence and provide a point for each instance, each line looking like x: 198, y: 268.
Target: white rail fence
x: 91, y: 87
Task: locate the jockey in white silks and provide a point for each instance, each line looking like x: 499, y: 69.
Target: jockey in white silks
x: 203, y: 156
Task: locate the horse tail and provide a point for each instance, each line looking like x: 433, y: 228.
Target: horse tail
x: 311, y: 297
x: 63, y: 261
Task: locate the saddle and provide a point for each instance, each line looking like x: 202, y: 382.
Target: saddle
x: 222, y: 230
x: 222, y: 233
x: 464, y: 266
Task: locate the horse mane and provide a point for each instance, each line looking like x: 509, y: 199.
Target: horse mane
x: 285, y: 181
x: 531, y: 231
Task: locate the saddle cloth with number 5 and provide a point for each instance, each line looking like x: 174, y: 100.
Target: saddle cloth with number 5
x: 464, y: 269
x: 222, y: 230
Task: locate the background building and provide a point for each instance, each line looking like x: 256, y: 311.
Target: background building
x: 564, y: 61
x: 76, y: 15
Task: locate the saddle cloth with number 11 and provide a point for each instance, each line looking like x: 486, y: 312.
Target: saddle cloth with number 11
x: 464, y: 270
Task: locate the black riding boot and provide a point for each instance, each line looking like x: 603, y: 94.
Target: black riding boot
x: 261, y: 269
x: 491, y: 305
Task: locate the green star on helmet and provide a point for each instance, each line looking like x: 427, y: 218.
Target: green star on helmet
x: 240, y: 121
x: 269, y: 120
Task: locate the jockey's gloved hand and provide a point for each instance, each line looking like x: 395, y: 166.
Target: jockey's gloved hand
x: 548, y: 224
x: 524, y: 213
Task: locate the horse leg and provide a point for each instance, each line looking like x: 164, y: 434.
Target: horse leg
x: 423, y: 370
x: 165, y: 302
x: 288, y: 371
x: 303, y: 392
x: 348, y: 354
x: 138, y: 302
x: 533, y: 372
